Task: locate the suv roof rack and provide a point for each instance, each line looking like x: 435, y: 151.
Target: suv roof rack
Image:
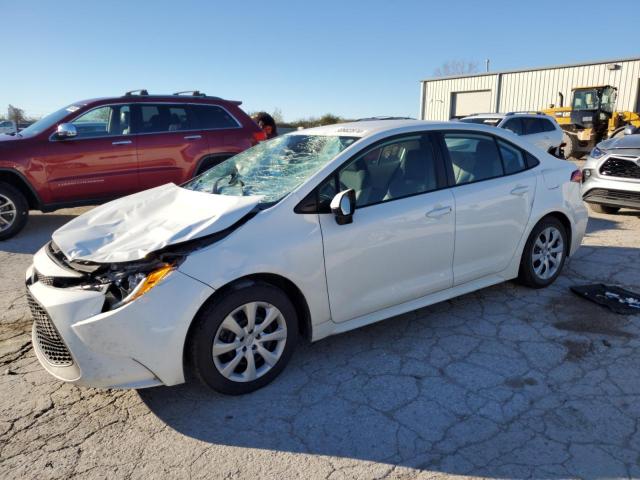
x: 530, y: 112
x: 194, y: 93
x: 141, y: 91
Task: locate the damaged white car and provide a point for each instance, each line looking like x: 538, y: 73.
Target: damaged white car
x: 310, y: 234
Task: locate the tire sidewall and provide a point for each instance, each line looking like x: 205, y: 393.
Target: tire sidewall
x: 528, y: 274
x: 22, y: 210
x: 208, y: 322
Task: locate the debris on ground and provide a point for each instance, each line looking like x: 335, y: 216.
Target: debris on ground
x: 617, y: 299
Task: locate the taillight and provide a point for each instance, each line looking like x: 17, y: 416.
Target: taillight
x: 576, y: 176
x: 259, y: 136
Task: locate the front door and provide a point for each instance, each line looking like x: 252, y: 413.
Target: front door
x: 400, y: 244
x: 494, y: 194
x: 99, y: 163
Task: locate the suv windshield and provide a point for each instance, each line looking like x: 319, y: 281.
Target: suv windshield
x: 271, y: 169
x: 483, y: 121
x: 585, y: 100
x: 45, y: 122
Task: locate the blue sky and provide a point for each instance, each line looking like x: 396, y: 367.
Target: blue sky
x: 351, y: 58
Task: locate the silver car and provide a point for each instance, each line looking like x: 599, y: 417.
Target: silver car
x: 611, y: 174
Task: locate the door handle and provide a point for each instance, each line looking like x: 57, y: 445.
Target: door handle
x: 439, y: 212
x: 193, y: 137
x: 122, y: 142
x: 520, y: 190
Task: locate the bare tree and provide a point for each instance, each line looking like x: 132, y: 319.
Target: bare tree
x: 456, y: 67
x: 277, y: 116
x: 16, y: 114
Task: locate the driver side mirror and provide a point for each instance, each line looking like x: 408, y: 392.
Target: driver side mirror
x: 66, y: 130
x: 343, y: 206
x: 630, y: 130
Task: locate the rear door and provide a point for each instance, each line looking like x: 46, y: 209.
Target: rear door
x: 224, y: 134
x: 99, y: 163
x: 170, y: 143
x: 493, y: 193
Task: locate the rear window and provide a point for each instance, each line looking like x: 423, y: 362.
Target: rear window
x: 213, y: 117
x: 532, y: 125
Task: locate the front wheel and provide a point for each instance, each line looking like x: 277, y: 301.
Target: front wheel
x: 244, y: 339
x: 544, y: 254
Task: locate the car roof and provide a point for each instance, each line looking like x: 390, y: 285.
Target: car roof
x: 365, y: 128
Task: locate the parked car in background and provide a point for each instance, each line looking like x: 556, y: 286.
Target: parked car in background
x: 315, y: 232
x: 8, y: 127
x: 542, y: 130
x: 611, y: 174
x: 97, y: 150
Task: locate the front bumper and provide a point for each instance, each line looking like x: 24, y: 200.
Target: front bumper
x: 137, y: 345
x: 610, y: 191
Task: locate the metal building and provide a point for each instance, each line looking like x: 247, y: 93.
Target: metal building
x: 531, y: 89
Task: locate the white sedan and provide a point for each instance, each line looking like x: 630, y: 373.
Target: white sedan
x: 310, y: 234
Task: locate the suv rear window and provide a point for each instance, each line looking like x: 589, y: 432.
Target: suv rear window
x: 213, y: 117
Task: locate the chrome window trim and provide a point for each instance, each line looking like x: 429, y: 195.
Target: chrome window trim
x: 238, y: 127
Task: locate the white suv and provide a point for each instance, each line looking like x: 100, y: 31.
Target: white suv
x: 315, y: 232
x: 540, y: 129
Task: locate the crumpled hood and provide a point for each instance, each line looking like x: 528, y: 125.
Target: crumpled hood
x: 131, y: 227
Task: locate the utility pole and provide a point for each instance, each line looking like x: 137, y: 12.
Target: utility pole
x: 487, y: 65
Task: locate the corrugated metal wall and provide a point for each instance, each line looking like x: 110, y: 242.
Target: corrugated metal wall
x: 533, y: 90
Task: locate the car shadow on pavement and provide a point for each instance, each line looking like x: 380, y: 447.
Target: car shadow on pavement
x: 504, y: 382
x: 35, y: 234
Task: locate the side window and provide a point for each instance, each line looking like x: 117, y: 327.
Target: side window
x: 213, y: 117
x: 164, y: 118
x: 532, y: 125
x: 104, y: 121
x: 532, y: 161
x: 473, y: 157
x: 512, y: 158
x: 514, y: 125
x: 547, y: 125
x: 397, y: 169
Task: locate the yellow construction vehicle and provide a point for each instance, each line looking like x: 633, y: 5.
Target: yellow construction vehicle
x: 591, y: 118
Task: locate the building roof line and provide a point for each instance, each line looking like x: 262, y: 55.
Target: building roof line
x: 534, y: 69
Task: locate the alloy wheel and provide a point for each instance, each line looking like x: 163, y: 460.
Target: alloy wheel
x: 7, y: 213
x: 249, y: 341
x: 547, y: 253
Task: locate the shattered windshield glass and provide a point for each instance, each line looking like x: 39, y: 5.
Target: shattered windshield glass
x: 273, y: 168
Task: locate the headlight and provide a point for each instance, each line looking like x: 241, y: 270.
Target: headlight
x: 596, y: 153
x: 125, y: 287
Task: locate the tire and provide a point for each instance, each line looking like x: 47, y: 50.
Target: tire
x: 14, y: 211
x: 571, y: 144
x: 214, y: 325
x: 532, y: 270
x: 603, y: 208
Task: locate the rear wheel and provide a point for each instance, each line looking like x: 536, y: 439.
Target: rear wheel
x: 544, y: 254
x: 14, y: 211
x: 571, y: 144
x: 244, y: 339
x: 603, y: 208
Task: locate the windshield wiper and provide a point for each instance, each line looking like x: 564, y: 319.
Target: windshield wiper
x: 234, y: 179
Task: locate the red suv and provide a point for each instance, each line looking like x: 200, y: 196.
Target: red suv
x: 93, y: 151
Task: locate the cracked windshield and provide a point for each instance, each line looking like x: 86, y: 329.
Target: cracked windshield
x: 271, y: 169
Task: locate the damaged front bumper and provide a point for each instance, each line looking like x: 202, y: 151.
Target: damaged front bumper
x: 139, y: 344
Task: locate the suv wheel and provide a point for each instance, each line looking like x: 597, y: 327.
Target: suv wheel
x: 14, y: 211
x: 571, y: 144
x: 603, y: 208
x: 544, y: 254
x: 243, y: 340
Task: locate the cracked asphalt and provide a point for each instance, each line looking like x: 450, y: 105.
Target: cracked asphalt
x: 504, y: 382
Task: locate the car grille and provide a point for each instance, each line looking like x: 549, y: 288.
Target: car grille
x: 620, y: 167
x: 49, y: 341
x: 44, y: 279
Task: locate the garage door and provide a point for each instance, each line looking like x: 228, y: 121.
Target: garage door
x: 466, y: 103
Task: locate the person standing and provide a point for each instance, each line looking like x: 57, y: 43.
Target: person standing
x: 267, y: 124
